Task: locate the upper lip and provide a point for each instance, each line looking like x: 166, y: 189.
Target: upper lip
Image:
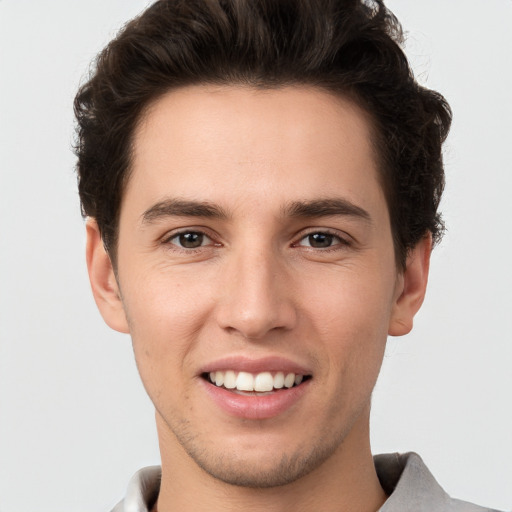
x: 256, y: 365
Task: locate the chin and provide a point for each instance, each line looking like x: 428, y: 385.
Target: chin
x: 264, y: 469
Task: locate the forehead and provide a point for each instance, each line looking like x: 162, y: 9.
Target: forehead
x: 236, y: 145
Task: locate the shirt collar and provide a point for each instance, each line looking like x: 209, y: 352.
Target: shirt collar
x: 404, y: 477
x: 409, y: 484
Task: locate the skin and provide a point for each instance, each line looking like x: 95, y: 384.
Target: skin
x: 258, y: 286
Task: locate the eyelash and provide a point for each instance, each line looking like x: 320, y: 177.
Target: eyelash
x: 167, y: 240
x: 341, y: 241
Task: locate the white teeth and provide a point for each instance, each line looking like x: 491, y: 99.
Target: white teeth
x: 289, y: 380
x: 279, y: 380
x: 219, y: 378
x: 244, y: 382
x: 264, y: 382
x: 261, y: 382
x: 229, y: 380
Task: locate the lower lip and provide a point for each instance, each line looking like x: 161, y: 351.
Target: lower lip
x: 254, y: 407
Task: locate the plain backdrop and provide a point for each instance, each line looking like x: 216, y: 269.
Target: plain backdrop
x: 75, y: 422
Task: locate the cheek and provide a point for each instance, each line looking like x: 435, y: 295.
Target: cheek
x: 164, y: 316
x: 159, y: 299
x: 351, y: 316
x: 357, y: 303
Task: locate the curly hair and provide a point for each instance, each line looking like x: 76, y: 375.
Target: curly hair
x: 348, y: 47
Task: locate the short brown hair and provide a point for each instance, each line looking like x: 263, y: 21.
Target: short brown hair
x: 349, y: 47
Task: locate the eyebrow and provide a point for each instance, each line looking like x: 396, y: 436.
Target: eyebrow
x: 174, y: 207
x: 182, y: 208
x: 326, y: 208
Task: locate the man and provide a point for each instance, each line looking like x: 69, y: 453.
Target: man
x: 261, y: 181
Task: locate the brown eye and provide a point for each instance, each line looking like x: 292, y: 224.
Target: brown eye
x: 323, y: 240
x: 190, y: 240
x: 320, y: 240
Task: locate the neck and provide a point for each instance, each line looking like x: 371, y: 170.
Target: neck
x: 347, y: 480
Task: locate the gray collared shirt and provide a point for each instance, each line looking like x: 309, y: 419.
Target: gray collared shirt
x: 405, y: 478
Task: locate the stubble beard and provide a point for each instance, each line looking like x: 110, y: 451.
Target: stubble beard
x: 231, y: 468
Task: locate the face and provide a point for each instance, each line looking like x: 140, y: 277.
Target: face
x: 255, y: 253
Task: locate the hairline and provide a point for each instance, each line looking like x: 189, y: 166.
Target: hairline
x: 349, y: 94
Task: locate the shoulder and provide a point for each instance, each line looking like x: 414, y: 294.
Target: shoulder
x: 410, y: 486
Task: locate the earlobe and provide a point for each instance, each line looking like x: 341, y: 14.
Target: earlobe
x: 103, y: 281
x: 413, y: 285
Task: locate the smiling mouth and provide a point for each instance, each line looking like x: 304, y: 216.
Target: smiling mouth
x: 255, y: 384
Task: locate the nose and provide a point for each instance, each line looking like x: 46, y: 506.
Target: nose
x: 257, y: 296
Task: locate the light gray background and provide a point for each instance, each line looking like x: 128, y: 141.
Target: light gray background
x: 74, y: 420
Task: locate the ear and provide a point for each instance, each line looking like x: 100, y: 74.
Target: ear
x: 103, y: 280
x: 411, y: 288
